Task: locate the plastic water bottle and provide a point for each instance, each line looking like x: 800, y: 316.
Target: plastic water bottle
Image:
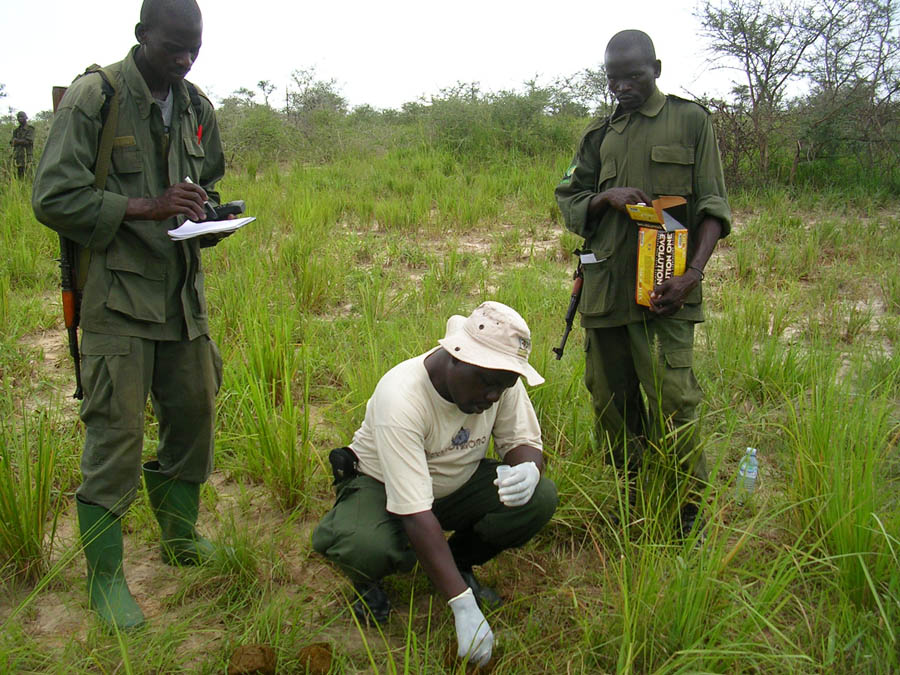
x: 748, y: 472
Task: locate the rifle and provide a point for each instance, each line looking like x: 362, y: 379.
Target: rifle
x: 578, y: 276
x: 71, y: 293
x: 73, y: 259
x: 71, y: 301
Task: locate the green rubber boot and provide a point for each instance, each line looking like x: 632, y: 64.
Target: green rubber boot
x: 101, y: 537
x: 176, y: 504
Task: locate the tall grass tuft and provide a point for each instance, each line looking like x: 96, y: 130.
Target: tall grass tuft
x: 29, y: 505
x: 842, y: 441
x: 278, y: 429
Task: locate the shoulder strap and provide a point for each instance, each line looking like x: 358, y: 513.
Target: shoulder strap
x: 109, y: 113
x: 195, y: 99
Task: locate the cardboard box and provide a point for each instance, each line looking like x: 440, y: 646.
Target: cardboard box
x: 662, y: 245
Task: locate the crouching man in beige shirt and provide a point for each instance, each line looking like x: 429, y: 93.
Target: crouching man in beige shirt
x: 417, y: 467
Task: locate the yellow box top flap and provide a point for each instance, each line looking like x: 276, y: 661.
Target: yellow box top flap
x: 644, y: 213
x: 654, y: 213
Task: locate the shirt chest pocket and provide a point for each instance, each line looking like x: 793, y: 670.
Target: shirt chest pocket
x: 672, y: 169
x: 127, y: 157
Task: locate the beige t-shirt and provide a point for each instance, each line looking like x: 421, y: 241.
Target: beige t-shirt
x: 423, y: 447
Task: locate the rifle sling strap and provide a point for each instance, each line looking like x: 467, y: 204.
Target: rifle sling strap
x: 110, y: 123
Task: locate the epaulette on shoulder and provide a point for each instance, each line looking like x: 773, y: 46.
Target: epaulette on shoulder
x: 689, y: 100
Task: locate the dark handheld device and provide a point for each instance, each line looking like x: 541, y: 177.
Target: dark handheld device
x: 234, y: 208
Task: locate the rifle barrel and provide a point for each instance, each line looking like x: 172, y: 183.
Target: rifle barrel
x: 562, y: 345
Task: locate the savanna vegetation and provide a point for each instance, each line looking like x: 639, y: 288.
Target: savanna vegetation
x: 372, y: 228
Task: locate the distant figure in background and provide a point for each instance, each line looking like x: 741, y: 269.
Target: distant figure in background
x: 417, y: 467
x: 143, y: 313
x: 22, y: 144
x: 653, y: 144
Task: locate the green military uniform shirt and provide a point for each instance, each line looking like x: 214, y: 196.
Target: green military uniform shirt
x: 140, y: 283
x: 667, y: 147
x: 22, y: 154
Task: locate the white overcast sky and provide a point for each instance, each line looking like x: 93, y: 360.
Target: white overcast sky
x: 383, y: 53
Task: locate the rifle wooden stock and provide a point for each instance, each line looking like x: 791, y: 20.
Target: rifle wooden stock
x: 57, y: 94
x: 69, y: 309
x: 71, y: 302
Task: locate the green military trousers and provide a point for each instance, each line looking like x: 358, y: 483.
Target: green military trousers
x: 182, y: 379
x: 367, y: 543
x: 655, y: 357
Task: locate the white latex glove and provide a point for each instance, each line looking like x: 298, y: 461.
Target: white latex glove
x: 518, y: 484
x: 474, y: 638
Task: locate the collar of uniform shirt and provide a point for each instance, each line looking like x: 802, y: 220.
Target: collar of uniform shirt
x: 651, y: 108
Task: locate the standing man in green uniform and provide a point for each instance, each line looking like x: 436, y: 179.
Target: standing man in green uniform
x: 143, y: 312
x: 652, y: 145
x: 23, y: 144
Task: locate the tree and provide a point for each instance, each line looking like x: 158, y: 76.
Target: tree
x: 241, y: 97
x: 767, y: 45
x: 310, y: 94
x: 855, y: 76
x: 588, y: 89
x: 467, y: 92
x: 857, y: 48
x: 734, y: 132
x: 266, y: 88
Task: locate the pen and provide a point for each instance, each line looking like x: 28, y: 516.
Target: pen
x: 210, y: 212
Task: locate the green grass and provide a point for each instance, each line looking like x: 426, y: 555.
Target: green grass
x: 30, y: 502
x: 355, y: 264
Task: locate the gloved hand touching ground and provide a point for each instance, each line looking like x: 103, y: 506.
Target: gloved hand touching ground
x: 474, y: 637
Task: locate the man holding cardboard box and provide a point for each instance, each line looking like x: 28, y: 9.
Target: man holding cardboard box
x: 652, y: 145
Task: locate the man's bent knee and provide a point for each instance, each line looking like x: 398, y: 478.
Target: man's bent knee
x: 544, y: 501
